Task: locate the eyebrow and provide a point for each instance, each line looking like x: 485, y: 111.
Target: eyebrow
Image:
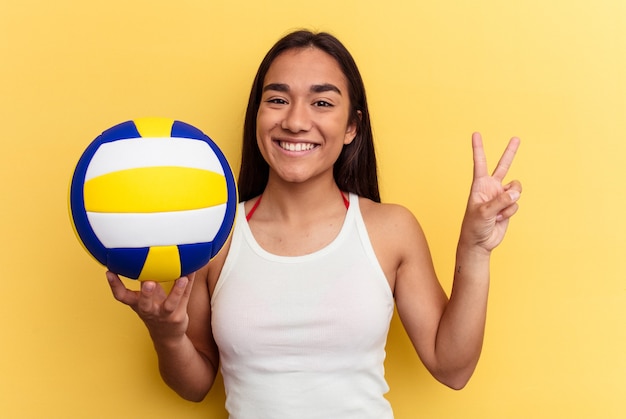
x: 316, y: 88
x: 326, y: 87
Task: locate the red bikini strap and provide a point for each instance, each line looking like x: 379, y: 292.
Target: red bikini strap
x: 346, y: 201
x: 254, y: 207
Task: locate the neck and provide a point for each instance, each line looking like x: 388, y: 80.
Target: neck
x: 292, y: 201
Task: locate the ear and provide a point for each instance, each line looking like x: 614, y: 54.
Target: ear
x: 352, y: 129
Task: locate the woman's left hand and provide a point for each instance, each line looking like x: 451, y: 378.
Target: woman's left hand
x: 491, y: 204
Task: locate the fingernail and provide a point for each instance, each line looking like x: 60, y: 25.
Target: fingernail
x: 514, y: 195
x: 182, y: 282
x: 148, y: 286
x: 110, y: 277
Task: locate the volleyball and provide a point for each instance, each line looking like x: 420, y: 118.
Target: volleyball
x: 153, y: 199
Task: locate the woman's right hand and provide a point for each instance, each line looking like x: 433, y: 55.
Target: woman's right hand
x: 165, y: 315
x: 188, y: 356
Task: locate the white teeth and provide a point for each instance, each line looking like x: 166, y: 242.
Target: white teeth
x: 296, y: 146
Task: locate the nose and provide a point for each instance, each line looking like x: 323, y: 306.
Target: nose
x: 297, y: 118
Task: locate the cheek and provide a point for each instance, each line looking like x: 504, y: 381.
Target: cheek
x: 342, y: 127
x: 261, y: 144
x: 264, y: 123
x: 261, y: 126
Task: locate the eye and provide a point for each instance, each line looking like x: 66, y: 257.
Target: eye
x: 276, y: 101
x: 323, y: 104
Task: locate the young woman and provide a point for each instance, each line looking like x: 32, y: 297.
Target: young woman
x: 296, y: 308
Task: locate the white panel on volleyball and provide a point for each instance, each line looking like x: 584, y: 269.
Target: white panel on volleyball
x: 157, y: 229
x: 150, y: 152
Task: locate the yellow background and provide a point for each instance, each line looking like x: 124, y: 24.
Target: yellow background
x: 552, y: 72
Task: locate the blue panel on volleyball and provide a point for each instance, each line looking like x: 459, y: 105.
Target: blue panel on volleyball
x: 194, y: 256
x: 128, y: 261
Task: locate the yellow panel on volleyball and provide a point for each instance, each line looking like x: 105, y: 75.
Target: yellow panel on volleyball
x: 155, y: 189
x: 162, y: 264
x: 154, y: 127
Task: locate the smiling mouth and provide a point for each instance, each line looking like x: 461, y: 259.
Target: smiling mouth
x: 289, y: 146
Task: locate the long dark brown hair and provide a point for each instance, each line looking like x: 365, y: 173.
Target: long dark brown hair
x: 355, y: 169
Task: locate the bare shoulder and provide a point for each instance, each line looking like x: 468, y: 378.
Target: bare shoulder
x: 395, y: 234
x: 388, y: 218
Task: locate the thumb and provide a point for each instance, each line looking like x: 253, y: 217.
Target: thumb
x: 507, y: 204
x: 120, y: 292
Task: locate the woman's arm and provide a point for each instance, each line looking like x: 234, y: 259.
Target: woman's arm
x: 448, y: 335
x: 180, y: 328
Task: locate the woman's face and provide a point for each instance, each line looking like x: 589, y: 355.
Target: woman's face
x: 303, y: 118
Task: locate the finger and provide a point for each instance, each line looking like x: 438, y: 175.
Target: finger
x: 146, y: 296
x: 514, y: 185
x: 480, y: 160
x: 120, y: 292
x: 508, y: 212
x: 502, y: 201
x: 507, y: 159
x: 513, y: 190
x: 179, y: 295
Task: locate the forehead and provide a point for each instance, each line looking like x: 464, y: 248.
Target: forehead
x: 305, y: 66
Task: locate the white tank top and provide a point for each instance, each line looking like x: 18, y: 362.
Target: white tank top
x: 303, y: 337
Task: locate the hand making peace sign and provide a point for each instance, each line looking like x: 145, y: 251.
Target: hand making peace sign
x: 491, y: 204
